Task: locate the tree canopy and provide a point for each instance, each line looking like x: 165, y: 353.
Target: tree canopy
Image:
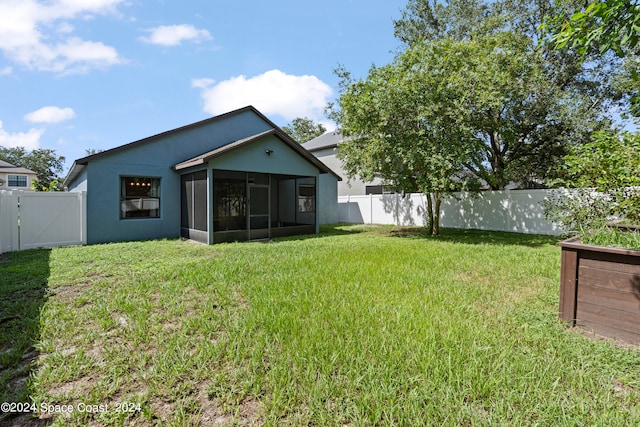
x: 304, y: 129
x: 45, y: 162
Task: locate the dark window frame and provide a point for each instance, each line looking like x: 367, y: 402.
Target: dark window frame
x: 145, y: 190
x: 307, y: 202
x: 17, y: 181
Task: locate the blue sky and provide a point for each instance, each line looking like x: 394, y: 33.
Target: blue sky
x: 95, y: 74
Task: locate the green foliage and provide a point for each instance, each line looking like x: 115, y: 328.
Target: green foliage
x: 406, y: 123
x: 304, y: 129
x: 601, y: 27
x: 455, y: 19
x: 513, y: 104
x: 53, y: 186
x: 44, y: 162
x: 613, y: 237
x: 606, y: 172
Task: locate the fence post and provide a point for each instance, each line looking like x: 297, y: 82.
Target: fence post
x: 370, y: 208
x: 8, y: 221
x: 82, y: 195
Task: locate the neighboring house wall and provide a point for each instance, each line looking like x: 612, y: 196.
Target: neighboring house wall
x: 13, y: 178
x: 325, y: 148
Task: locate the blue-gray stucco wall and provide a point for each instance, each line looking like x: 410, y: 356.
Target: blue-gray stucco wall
x: 154, y: 158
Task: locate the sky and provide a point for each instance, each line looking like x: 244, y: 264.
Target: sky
x: 96, y: 74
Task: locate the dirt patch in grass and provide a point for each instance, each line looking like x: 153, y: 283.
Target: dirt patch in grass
x: 23, y: 420
x: 407, y: 232
x: 80, y: 387
x: 68, y: 293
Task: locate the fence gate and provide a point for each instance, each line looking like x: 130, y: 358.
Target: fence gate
x: 39, y: 219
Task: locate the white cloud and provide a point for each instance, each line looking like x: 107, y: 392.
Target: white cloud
x: 50, y: 114
x: 37, y: 35
x: 174, y: 35
x: 6, y: 71
x: 202, y: 83
x: 29, y: 140
x: 273, y: 92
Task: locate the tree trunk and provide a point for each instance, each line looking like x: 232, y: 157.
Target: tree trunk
x: 429, y: 213
x: 436, y: 215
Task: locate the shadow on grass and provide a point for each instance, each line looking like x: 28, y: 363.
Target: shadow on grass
x: 469, y: 237
x: 328, y: 231
x: 24, y: 280
x: 477, y: 237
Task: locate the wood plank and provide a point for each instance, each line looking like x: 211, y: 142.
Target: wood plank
x: 568, y: 282
x: 610, y: 332
x: 621, y: 281
x: 611, y: 262
x: 611, y: 298
x: 606, y: 316
x: 576, y: 244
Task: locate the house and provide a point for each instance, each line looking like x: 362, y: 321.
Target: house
x: 325, y: 148
x: 236, y: 176
x: 15, y: 178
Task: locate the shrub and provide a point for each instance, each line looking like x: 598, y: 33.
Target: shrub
x: 604, y: 178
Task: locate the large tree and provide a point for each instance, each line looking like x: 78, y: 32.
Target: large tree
x: 44, y: 162
x: 524, y: 116
x: 400, y: 125
x: 303, y: 129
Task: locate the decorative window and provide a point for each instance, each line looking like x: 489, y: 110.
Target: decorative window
x: 306, y: 198
x: 139, y: 197
x: 17, y: 180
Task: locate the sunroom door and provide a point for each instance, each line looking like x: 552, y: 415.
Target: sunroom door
x: 259, y: 218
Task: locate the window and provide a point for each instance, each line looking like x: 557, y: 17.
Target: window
x: 139, y: 197
x: 17, y: 180
x: 379, y: 189
x: 306, y: 198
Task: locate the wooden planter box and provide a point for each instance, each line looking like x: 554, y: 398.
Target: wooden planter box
x: 600, y: 289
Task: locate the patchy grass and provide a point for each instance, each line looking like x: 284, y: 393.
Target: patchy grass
x: 359, y: 326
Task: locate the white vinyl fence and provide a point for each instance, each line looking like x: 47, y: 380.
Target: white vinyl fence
x: 39, y: 219
x: 510, y: 210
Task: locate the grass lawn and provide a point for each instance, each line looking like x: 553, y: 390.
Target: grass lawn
x: 359, y: 326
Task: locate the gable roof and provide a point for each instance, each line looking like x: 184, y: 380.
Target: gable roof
x: 79, y: 164
x: 204, y: 158
x: 6, y: 167
x: 324, y: 141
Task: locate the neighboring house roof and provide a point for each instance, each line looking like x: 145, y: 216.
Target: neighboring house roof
x: 80, y: 164
x: 327, y: 140
x: 204, y: 158
x: 6, y: 167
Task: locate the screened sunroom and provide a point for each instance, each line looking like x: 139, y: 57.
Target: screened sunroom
x: 254, y: 189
